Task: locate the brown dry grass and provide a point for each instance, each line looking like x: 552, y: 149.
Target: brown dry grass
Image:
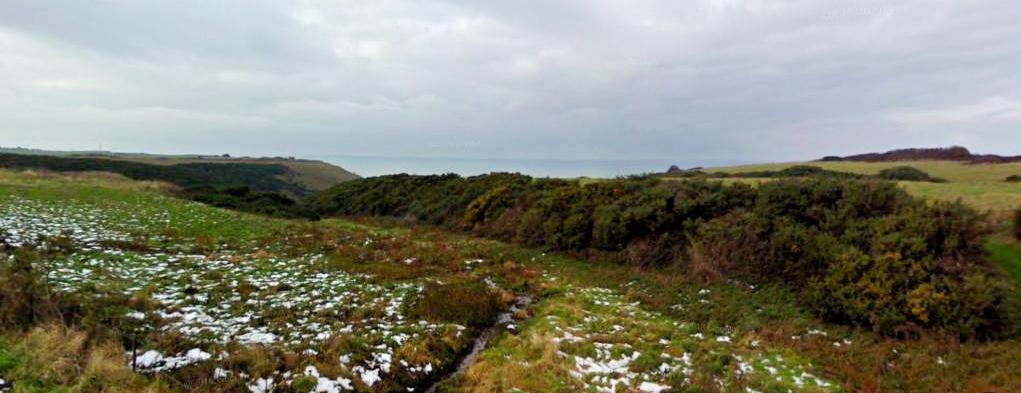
x: 100, y: 179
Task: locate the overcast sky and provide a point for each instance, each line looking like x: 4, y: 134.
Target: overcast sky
x: 692, y: 79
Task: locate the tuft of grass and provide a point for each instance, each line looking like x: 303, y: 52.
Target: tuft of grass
x: 54, y: 358
x: 464, y: 303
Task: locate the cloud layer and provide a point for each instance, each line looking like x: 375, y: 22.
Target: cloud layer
x: 702, y: 79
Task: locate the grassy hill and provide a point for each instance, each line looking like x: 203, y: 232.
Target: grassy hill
x: 306, y: 175
x: 107, y: 285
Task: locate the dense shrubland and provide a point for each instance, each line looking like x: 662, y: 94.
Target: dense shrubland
x: 860, y: 252
x: 243, y: 198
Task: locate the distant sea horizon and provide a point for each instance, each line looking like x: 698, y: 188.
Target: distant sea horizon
x: 367, y: 166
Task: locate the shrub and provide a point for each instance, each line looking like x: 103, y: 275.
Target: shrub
x: 1017, y: 223
x: 23, y: 297
x: 907, y: 173
x: 797, y: 171
x: 245, y: 199
x: 1013, y: 179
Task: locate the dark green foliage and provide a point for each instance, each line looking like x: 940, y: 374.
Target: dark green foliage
x: 1017, y: 223
x: 907, y: 173
x: 242, y: 198
x: 23, y: 296
x: 465, y: 303
x: 261, y: 177
x: 858, y: 251
x: 795, y: 171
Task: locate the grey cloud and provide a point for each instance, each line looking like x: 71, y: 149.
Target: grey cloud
x: 756, y: 80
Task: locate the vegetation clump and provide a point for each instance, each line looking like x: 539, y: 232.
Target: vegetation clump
x: 860, y: 252
x: 465, y: 303
x: 795, y: 171
x: 1017, y: 223
x: 907, y: 173
x: 243, y: 198
x: 1013, y: 179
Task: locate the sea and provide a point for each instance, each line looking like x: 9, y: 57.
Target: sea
x: 367, y: 166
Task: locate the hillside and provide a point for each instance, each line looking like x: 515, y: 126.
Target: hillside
x: 301, y: 176
x: 954, y: 153
x: 153, y: 294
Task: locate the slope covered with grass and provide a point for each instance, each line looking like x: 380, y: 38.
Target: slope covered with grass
x: 106, y: 285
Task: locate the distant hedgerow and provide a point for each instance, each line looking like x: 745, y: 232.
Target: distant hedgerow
x: 859, y: 251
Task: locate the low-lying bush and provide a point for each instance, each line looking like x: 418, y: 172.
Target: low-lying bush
x: 1017, y: 224
x: 907, y: 173
x: 794, y: 171
x: 1013, y: 179
x: 243, y: 198
x: 23, y: 296
x: 859, y: 251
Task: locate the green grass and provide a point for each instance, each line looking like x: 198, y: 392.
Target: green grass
x: 1008, y: 256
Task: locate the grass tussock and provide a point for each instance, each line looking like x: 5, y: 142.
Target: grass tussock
x: 539, y: 369
x: 53, y: 358
x: 465, y: 303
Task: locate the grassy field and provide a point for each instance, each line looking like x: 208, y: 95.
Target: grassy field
x: 178, y: 296
x: 980, y: 185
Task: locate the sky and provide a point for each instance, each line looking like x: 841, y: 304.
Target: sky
x: 615, y: 80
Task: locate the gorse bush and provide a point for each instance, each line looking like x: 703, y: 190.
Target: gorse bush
x: 243, y: 198
x: 859, y: 252
x: 907, y: 173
